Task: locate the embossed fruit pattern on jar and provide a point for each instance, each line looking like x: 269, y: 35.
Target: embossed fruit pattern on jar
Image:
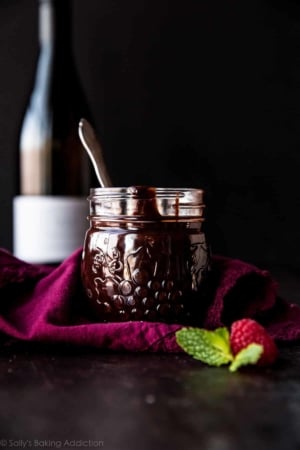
x: 148, y: 275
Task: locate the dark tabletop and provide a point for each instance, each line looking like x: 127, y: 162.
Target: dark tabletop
x: 69, y: 398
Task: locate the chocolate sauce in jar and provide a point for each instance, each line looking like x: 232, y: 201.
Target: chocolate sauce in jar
x: 145, y: 254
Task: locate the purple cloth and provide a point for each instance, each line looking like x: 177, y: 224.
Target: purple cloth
x: 46, y: 304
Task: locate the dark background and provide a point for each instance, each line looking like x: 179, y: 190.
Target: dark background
x: 195, y: 93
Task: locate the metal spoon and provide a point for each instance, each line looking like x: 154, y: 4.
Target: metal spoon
x: 92, y: 146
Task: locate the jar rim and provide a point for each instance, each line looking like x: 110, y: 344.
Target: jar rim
x: 143, y: 203
x: 134, y: 191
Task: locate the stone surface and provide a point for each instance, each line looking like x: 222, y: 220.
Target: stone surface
x: 134, y: 401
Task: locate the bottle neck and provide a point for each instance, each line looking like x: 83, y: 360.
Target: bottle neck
x: 55, y: 26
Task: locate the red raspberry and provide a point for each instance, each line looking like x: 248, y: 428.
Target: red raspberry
x: 247, y: 331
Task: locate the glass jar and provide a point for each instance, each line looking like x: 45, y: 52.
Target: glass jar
x: 145, y: 255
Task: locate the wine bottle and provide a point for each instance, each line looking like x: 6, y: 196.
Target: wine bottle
x: 50, y: 210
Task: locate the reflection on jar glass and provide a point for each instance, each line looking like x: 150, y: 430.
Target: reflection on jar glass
x: 145, y: 254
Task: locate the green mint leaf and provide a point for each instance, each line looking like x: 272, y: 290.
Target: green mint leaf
x: 210, y: 347
x: 249, y: 355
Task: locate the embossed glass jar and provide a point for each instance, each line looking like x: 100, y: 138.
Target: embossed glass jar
x: 145, y: 254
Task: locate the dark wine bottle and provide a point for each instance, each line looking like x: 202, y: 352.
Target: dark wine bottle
x: 51, y: 208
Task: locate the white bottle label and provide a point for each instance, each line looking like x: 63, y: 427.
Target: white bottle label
x: 48, y: 229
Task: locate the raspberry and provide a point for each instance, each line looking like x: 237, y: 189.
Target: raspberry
x: 247, y: 331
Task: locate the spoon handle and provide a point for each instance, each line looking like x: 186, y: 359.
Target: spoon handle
x: 94, y: 150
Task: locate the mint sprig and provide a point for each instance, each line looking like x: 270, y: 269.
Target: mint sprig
x: 210, y: 347
x: 213, y: 347
x: 249, y: 355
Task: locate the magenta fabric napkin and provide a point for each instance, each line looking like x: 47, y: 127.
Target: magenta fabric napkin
x: 47, y: 305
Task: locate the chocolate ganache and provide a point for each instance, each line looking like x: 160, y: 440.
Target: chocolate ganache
x: 145, y: 254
